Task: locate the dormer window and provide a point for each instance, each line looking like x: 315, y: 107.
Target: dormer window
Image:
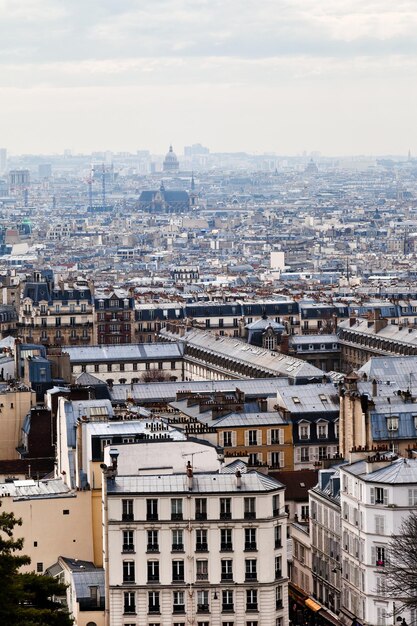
x: 392, y: 424
x: 304, y: 431
x: 322, y: 430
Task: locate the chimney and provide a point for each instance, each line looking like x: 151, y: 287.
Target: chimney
x: 238, y: 479
x: 189, y: 476
x: 374, y: 388
x: 114, y: 455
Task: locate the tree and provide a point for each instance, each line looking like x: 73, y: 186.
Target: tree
x: 26, y: 599
x: 401, y: 568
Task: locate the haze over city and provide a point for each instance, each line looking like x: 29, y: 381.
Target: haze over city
x: 278, y: 76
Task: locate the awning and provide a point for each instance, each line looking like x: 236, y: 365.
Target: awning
x: 329, y: 617
x: 313, y: 605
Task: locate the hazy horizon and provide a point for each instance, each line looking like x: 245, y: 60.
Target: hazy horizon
x: 282, y: 76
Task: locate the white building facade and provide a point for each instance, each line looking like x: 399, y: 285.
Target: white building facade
x: 377, y: 494
x: 194, y: 547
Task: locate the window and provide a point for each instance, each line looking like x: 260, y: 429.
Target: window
x: 304, y: 512
x: 278, y: 567
x: 322, y: 453
x: 277, y: 537
x: 304, y: 431
x: 128, y: 571
x: 249, y: 508
x: 39, y: 568
x: 57, y: 321
x: 178, y: 571
x: 227, y: 439
x: 392, y: 424
x: 178, y: 602
x: 127, y: 510
x: 153, y: 571
x: 176, y: 509
x: 322, y: 430
x: 201, y: 544
x: 153, y: 602
x: 378, y: 555
x: 250, y: 569
x: 227, y: 601
x: 276, y: 436
x: 226, y: 569
x: 109, y: 367
x: 177, y: 540
x: 202, y: 601
x: 201, y: 508
x: 275, y: 504
x: 129, y: 605
x: 251, y: 600
x: 152, y: 509
x: 226, y: 543
x: 278, y: 598
x: 128, y: 545
x: 252, y: 437
x: 412, y: 497
x: 252, y: 623
x: 153, y: 545
x: 379, y: 495
x: 379, y: 524
x: 202, y: 569
x: 225, y: 508
x: 250, y: 538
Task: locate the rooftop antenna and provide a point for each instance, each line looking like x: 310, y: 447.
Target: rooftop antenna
x: 90, y: 188
x: 103, y: 187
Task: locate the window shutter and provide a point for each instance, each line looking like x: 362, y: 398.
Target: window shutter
x: 269, y: 459
x: 410, y: 497
x: 373, y: 555
x: 372, y: 495
x: 234, y: 439
x: 246, y: 437
x: 260, y: 457
x: 281, y: 436
x: 268, y: 437
x: 297, y: 455
x: 385, y: 497
x: 259, y: 437
x: 281, y: 459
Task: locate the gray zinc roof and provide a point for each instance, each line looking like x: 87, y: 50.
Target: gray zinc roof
x: 127, y: 352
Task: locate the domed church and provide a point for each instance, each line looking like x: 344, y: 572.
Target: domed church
x: 171, y: 163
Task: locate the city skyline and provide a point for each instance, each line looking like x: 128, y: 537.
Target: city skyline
x: 278, y: 77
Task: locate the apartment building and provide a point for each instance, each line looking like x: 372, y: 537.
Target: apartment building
x: 55, y: 314
x: 377, y: 493
x: 189, y: 541
x: 114, y: 316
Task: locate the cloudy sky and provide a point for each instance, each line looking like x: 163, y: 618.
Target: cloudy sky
x: 337, y: 76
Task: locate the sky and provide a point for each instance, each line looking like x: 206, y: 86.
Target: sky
x: 282, y: 76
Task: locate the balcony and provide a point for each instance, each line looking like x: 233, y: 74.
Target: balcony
x: 226, y: 515
x: 201, y: 515
x: 129, y: 579
x: 278, y: 544
x: 203, y: 608
x: 178, y: 608
x: 226, y: 547
x: 152, y: 517
x: 278, y: 605
x: 202, y: 576
x: 128, y: 548
x: 152, y: 547
x: 250, y: 546
x: 278, y: 574
x: 251, y: 576
x: 176, y: 517
x: 250, y: 515
x: 227, y: 576
x: 154, y: 609
x: 177, y: 547
x: 127, y: 517
x: 178, y: 578
x: 275, y: 512
x: 129, y: 609
x: 201, y: 547
x: 252, y: 607
x: 228, y: 608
